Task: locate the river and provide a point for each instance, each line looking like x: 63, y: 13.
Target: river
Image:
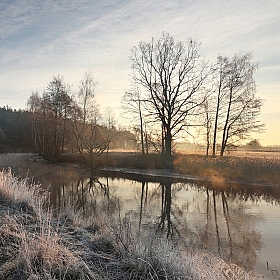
x: 239, y: 223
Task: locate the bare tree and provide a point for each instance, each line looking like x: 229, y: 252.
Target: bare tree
x: 51, y: 113
x: 90, y: 137
x: 58, y: 102
x: 220, y: 84
x: 172, y: 75
x: 34, y: 105
x: 207, y: 123
x: 110, y: 126
x: 237, y: 106
x: 133, y: 104
x: 87, y: 97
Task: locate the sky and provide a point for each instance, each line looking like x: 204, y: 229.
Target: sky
x: 41, y: 39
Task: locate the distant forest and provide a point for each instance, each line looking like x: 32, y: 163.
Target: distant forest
x: 16, y: 133
x: 15, y: 130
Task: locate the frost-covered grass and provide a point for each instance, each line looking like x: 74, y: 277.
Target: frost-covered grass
x: 31, y: 247
x: 35, y: 244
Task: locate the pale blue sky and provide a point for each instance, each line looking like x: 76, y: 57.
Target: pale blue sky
x: 40, y: 39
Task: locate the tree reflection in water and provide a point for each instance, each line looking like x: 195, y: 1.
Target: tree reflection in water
x: 87, y: 194
x: 212, y: 219
x: 165, y: 223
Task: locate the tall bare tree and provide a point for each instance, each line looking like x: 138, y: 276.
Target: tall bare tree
x: 34, y: 105
x: 172, y: 75
x: 220, y: 84
x: 237, y: 106
x: 58, y: 103
x: 110, y: 125
x: 51, y: 113
x: 207, y: 122
x: 132, y: 104
x: 90, y: 137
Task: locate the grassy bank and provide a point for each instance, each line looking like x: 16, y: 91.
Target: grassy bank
x: 231, y: 168
x: 36, y: 244
x: 263, y: 170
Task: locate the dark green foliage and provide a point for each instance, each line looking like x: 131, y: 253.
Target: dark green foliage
x: 15, y: 127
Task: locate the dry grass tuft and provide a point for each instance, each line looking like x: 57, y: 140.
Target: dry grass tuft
x: 39, y: 254
x: 154, y: 257
x: 33, y: 249
x: 25, y: 195
x: 204, y: 265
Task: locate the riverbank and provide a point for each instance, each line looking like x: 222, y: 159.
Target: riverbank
x: 37, y: 243
x: 252, y: 168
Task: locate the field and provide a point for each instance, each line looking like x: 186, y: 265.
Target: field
x: 265, y: 153
x: 256, y: 154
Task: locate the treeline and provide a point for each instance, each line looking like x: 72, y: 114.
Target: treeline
x: 16, y: 127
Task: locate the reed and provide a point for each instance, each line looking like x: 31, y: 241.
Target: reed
x: 246, y: 169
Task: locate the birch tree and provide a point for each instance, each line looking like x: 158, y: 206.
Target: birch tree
x: 90, y: 138
x: 132, y: 104
x: 237, y: 106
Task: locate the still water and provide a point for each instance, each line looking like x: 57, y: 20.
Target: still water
x: 240, y: 223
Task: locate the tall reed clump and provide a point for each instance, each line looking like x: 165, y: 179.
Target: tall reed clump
x: 35, y: 244
x: 31, y: 247
x: 20, y: 192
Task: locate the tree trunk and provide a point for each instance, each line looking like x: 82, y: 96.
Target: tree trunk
x: 208, y: 144
x: 146, y: 142
x: 208, y: 127
x: 216, y: 118
x: 168, y: 155
x: 163, y: 138
x: 225, y: 130
x: 141, y: 130
x: 215, y: 131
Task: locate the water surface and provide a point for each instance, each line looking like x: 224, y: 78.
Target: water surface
x: 240, y: 223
